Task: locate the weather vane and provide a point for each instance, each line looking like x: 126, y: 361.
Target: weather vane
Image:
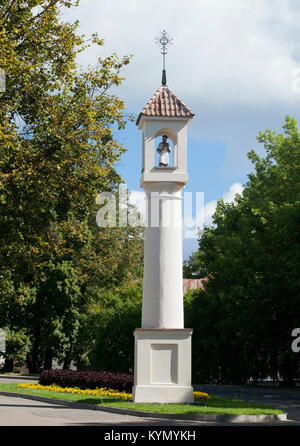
x: 164, y: 40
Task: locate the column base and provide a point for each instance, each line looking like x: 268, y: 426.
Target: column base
x: 162, y: 372
x: 162, y: 394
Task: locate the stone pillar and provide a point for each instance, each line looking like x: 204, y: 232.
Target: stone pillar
x: 162, y: 345
x: 162, y: 286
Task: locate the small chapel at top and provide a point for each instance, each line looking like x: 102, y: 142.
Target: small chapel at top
x: 164, y: 107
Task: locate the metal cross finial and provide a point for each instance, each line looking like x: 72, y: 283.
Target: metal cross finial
x: 164, y: 40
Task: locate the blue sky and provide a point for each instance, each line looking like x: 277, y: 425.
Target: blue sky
x: 235, y: 63
x: 205, y: 161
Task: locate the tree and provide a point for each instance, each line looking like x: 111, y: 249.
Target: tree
x: 105, y: 340
x: 193, y: 267
x: 58, y: 152
x: 17, y: 347
x: 251, y: 255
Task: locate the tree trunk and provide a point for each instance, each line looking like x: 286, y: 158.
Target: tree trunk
x: 34, y: 360
x: 48, y: 359
x: 274, y: 365
x: 8, y: 365
x: 288, y: 369
x: 68, y: 359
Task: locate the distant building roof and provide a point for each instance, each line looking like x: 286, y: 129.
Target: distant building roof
x: 193, y: 284
x: 165, y: 103
x: 188, y: 284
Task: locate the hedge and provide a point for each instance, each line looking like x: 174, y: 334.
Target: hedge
x: 87, y: 379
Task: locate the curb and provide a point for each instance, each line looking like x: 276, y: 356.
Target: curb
x: 191, y: 417
x: 20, y: 377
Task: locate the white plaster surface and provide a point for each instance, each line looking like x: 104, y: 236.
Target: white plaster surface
x: 163, y: 366
x: 162, y: 345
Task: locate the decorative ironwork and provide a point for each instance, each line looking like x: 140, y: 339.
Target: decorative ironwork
x: 164, y: 40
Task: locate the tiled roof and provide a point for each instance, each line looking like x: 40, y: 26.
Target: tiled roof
x: 165, y: 103
x: 193, y: 284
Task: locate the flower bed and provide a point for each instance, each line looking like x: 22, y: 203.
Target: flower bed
x: 105, y: 393
x: 87, y: 379
x: 102, y: 392
x: 201, y: 397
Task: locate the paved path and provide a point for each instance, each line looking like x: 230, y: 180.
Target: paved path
x: 286, y: 399
x: 18, y: 379
x: 24, y: 412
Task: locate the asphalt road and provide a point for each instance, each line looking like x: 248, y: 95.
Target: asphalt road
x: 286, y: 399
x: 15, y: 411
x: 23, y: 412
x: 18, y: 379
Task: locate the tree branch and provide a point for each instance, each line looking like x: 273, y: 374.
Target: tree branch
x: 6, y: 14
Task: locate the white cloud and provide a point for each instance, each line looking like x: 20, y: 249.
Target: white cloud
x: 234, y: 189
x: 223, y: 51
x: 227, y: 197
x: 205, y: 213
x: 190, y: 243
x: 190, y: 237
x: 232, y: 62
x: 138, y: 199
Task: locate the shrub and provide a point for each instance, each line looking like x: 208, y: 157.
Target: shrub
x: 87, y: 379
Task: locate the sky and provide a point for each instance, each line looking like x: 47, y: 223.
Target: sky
x: 234, y: 63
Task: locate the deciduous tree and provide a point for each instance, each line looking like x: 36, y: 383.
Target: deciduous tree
x: 251, y: 255
x: 58, y: 151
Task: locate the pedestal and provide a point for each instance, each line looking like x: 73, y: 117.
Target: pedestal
x: 162, y: 370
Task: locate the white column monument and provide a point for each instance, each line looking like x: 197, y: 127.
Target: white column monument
x: 162, y: 370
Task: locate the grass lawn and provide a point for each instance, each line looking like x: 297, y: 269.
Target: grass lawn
x: 215, y: 405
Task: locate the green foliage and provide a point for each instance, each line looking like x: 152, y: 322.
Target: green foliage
x: 193, y: 267
x: 214, y: 405
x: 244, y: 319
x: 106, y: 330
x: 17, y: 347
x: 58, y: 151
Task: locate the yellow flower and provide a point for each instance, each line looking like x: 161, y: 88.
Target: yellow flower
x: 102, y: 392
x: 201, y: 396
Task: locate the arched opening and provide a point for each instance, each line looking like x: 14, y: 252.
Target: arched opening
x: 172, y: 141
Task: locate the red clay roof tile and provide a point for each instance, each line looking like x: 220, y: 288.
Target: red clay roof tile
x: 165, y: 103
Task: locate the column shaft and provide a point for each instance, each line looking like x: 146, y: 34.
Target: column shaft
x: 162, y: 293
